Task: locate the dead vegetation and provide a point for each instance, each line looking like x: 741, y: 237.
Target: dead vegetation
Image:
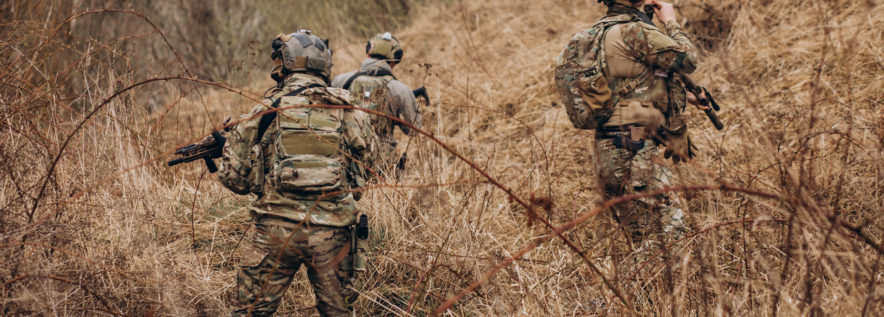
x: 784, y: 204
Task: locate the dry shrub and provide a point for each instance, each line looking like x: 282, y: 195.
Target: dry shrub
x: 783, y: 204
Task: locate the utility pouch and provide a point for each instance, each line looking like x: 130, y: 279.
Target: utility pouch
x: 361, y: 244
x: 258, y: 170
x: 625, y: 142
x: 594, y: 90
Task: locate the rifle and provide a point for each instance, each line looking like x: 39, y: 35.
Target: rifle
x: 705, y: 99
x: 421, y: 92
x: 207, y: 149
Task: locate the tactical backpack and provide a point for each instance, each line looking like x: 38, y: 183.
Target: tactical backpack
x: 368, y: 90
x: 308, y: 146
x: 580, y: 77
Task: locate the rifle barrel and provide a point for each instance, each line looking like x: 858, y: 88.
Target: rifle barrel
x: 176, y: 161
x: 710, y: 113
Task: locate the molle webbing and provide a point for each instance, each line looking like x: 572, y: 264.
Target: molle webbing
x: 268, y: 118
x: 376, y: 73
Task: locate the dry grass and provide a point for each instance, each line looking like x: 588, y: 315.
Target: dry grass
x: 784, y: 204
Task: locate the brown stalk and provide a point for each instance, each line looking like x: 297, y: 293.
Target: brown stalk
x: 100, y: 299
x: 582, y: 218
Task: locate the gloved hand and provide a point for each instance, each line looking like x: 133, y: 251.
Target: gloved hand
x: 678, y: 145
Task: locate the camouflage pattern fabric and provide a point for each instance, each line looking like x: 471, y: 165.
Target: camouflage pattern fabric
x: 246, y: 157
x: 649, y: 221
x: 579, y: 76
x: 638, y: 61
x: 295, y: 226
x: 236, y: 170
x: 278, y: 249
x: 399, y: 102
x: 641, y: 61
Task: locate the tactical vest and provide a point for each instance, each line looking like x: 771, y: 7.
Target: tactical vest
x: 368, y: 90
x: 580, y: 77
x: 307, y: 144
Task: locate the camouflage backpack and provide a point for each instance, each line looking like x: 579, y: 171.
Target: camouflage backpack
x: 308, y: 143
x: 368, y: 90
x: 580, y: 77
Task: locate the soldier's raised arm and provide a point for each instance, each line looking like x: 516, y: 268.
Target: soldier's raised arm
x: 671, y: 51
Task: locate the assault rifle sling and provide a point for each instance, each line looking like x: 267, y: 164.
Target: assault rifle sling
x: 380, y: 72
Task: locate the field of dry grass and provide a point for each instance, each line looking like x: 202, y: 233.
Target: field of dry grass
x: 784, y: 205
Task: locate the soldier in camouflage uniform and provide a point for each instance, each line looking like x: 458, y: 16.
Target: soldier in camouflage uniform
x: 640, y: 63
x: 374, y: 87
x: 303, y: 163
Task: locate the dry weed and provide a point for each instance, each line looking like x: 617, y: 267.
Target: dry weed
x: 784, y: 204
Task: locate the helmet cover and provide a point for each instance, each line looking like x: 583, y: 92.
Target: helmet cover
x: 301, y: 52
x: 385, y: 46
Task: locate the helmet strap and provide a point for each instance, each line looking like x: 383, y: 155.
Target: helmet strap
x: 279, y: 74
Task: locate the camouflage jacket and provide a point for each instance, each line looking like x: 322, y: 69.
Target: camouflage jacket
x: 247, y: 159
x: 401, y: 100
x: 641, y: 62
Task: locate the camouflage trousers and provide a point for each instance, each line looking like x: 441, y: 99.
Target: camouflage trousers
x: 648, y: 221
x: 278, y: 249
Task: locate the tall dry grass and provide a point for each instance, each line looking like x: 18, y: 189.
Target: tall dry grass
x: 784, y: 205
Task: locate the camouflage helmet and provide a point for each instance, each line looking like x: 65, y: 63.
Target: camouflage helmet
x: 629, y: 3
x: 300, y: 52
x: 384, y: 46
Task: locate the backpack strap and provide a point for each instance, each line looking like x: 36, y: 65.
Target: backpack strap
x: 602, y: 59
x: 380, y: 72
x: 268, y: 118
